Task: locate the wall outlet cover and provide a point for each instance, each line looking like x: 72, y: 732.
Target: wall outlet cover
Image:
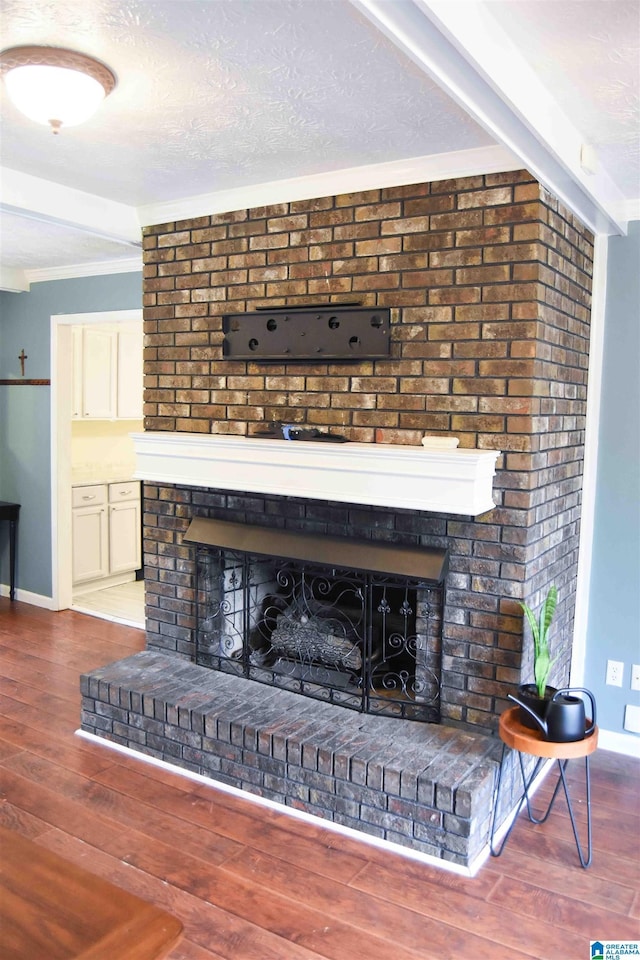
x: 615, y: 671
x: 632, y: 718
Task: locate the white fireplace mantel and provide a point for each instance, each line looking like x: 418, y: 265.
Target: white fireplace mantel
x: 389, y: 475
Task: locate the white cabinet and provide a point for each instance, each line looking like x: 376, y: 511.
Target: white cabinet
x: 108, y: 376
x: 76, y: 345
x: 98, y: 373
x: 106, y: 531
x: 124, y: 527
x: 130, y: 377
x: 90, y: 533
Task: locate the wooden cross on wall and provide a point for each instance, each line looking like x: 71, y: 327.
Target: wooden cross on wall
x: 22, y: 381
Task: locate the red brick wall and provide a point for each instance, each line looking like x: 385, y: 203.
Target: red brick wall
x: 488, y: 280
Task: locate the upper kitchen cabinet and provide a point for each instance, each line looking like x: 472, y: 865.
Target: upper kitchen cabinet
x: 108, y: 374
x: 130, y: 378
x: 98, y: 373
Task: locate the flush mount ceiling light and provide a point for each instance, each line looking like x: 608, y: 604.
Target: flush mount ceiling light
x: 53, y: 85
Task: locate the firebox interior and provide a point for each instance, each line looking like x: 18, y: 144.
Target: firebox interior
x: 354, y: 623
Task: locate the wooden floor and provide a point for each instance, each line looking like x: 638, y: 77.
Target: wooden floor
x: 253, y: 884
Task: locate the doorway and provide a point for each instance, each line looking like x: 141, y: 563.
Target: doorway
x: 89, y: 451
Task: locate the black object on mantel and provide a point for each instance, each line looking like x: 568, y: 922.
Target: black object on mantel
x: 315, y: 333
x: 289, y: 431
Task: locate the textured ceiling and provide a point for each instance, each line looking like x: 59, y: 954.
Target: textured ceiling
x: 216, y: 95
x: 588, y: 53
x: 40, y: 245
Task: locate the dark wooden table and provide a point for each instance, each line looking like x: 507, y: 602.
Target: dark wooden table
x: 10, y: 511
x: 51, y: 909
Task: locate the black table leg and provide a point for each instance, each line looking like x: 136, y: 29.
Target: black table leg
x: 524, y: 798
x: 584, y: 856
x: 10, y: 512
x: 13, y: 524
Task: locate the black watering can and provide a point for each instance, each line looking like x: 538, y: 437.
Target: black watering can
x: 565, y: 718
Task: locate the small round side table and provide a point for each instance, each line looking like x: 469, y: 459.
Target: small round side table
x: 515, y: 736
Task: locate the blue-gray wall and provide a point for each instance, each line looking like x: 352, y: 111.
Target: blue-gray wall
x: 25, y: 411
x: 614, y: 602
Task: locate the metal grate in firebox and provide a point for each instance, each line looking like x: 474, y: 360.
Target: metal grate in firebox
x: 366, y: 641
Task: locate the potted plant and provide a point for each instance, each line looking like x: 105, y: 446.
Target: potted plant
x: 537, y: 695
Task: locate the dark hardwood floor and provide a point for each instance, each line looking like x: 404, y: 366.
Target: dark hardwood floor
x: 254, y: 884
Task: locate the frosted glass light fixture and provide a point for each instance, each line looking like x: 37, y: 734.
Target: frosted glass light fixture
x: 55, y: 86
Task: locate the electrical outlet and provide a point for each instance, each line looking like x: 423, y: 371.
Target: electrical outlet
x: 615, y: 670
x: 635, y: 676
x: 632, y: 718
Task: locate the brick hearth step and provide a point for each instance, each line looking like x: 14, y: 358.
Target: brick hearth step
x: 424, y: 786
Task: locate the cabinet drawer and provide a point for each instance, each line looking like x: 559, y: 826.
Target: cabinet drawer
x: 124, y: 491
x: 89, y: 496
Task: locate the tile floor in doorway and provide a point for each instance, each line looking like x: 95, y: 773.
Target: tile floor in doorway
x: 123, y: 603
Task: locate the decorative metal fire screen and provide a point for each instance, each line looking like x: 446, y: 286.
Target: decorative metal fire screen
x: 367, y: 640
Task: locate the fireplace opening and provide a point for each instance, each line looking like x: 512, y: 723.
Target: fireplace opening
x: 357, y: 624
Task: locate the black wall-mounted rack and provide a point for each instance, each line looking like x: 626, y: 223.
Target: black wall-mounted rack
x: 309, y: 333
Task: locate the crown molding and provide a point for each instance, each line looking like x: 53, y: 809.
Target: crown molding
x: 443, y: 166
x: 96, y: 269
x: 19, y: 281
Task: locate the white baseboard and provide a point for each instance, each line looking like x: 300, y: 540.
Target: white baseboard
x: 626, y: 743
x: 25, y: 596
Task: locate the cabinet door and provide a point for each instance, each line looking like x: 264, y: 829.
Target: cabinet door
x: 76, y: 346
x: 90, y: 543
x: 124, y: 536
x: 98, y: 373
x: 130, y: 373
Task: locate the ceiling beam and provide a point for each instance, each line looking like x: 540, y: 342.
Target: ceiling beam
x: 49, y: 202
x: 13, y: 280
x: 464, y: 50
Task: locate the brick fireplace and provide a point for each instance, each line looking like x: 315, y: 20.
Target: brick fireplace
x: 488, y: 282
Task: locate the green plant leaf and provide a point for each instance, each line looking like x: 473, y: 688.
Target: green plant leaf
x: 547, y: 612
x: 541, y: 670
x: 542, y: 662
x: 533, y: 623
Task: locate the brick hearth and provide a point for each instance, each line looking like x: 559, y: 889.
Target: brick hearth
x: 424, y: 786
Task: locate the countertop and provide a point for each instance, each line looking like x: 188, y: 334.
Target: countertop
x: 89, y: 480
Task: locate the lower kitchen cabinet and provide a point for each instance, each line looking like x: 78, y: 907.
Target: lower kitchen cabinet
x: 106, y: 531
x: 90, y: 533
x: 124, y: 527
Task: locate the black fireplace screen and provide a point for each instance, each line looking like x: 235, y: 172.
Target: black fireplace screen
x: 366, y: 640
